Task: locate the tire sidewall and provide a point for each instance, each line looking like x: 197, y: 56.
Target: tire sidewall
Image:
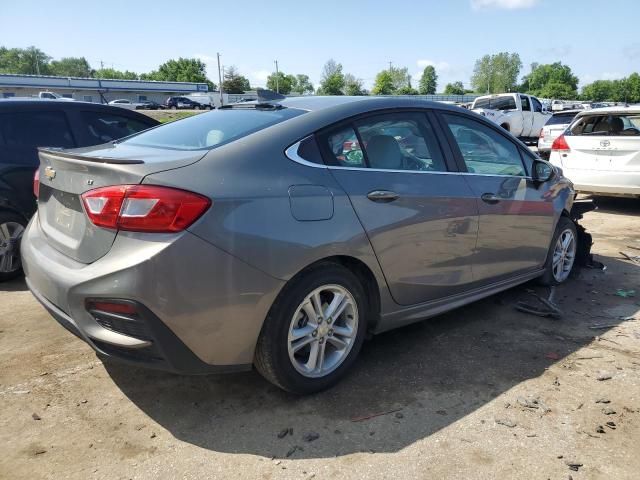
x: 563, y: 224
x: 280, y: 320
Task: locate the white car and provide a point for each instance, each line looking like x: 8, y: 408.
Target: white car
x: 124, y: 103
x: 600, y: 151
x: 554, y: 127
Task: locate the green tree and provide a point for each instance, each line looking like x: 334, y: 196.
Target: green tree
x: 401, y: 78
x: 553, y: 80
x: 234, y: 82
x: 496, y: 73
x: 353, y: 86
x: 428, y: 81
x: 115, y: 74
x: 28, y: 61
x: 71, y: 67
x: 598, y: 91
x: 332, y: 82
x: 408, y: 90
x: 383, y: 84
x: 302, y: 85
x: 284, y: 84
x: 181, y: 70
x: 455, y: 88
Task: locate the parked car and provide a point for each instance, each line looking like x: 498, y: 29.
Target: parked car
x: 28, y: 124
x: 124, y: 103
x: 149, y: 105
x: 600, y: 151
x: 182, y: 102
x: 554, y: 127
x: 54, y: 96
x: 281, y: 234
x: 522, y: 115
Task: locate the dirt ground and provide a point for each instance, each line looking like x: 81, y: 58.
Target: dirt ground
x: 481, y: 392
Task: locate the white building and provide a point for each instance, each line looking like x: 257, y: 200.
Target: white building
x: 95, y: 89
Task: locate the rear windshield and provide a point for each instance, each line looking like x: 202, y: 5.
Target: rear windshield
x: 209, y: 130
x: 496, y: 103
x: 561, y: 119
x: 615, y: 124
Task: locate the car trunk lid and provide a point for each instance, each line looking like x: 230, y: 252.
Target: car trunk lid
x: 66, y: 175
x: 603, y: 153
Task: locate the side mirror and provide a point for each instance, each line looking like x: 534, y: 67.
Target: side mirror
x: 542, y: 171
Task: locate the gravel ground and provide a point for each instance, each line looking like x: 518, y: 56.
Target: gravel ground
x: 481, y: 392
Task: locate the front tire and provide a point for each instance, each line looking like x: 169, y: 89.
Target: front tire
x: 562, y: 253
x: 11, y: 228
x: 314, y: 330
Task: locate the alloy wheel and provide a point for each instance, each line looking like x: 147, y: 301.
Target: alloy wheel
x: 564, y: 254
x: 10, y: 235
x: 323, y: 331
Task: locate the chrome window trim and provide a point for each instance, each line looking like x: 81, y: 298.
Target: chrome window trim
x: 292, y: 154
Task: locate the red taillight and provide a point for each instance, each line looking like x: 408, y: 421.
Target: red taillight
x: 143, y: 208
x: 560, y: 144
x: 36, y: 183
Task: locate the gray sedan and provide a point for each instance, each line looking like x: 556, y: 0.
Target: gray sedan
x: 280, y: 234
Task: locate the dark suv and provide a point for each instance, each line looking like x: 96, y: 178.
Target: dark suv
x: 182, y: 102
x: 25, y: 125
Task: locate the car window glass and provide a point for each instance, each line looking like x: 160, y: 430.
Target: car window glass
x: 345, y: 148
x: 496, y: 103
x: 484, y: 150
x: 537, y: 106
x: 36, y: 129
x: 400, y: 141
x: 103, y: 127
x: 561, y: 119
x: 607, y: 125
x: 526, y: 107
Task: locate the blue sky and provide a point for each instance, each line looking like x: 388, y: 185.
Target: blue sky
x: 597, y: 39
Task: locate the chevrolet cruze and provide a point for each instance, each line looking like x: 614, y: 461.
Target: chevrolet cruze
x: 279, y: 234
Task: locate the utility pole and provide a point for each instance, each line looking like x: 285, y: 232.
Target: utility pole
x: 220, y: 79
x: 390, y: 66
x: 277, y: 77
x: 37, y: 63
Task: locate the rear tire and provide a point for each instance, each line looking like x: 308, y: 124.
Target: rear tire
x: 11, y: 228
x: 296, y: 327
x: 561, y: 257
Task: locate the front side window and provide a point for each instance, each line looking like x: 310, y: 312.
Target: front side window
x: 36, y: 129
x: 398, y: 141
x: 104, y: 127
x: 212, y: 129
x: 484, y: 150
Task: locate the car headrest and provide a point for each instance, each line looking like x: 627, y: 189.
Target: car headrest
x: 383, y: 151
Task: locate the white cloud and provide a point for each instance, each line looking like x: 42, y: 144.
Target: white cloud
x: 506, y: 4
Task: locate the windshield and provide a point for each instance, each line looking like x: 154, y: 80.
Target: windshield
x: 615, y: 124
x: 496, y: 103
x: 209, y: 130
x: 561, y: 119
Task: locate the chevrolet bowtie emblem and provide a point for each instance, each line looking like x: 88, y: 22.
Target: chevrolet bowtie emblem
x: 50, y: 173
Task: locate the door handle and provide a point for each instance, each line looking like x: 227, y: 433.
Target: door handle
x: 490, y: 198
x: 382, y: 196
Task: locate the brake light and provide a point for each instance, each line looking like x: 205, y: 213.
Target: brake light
x: 560, y: 144
x: 36, y: 183
x: 143, y: 208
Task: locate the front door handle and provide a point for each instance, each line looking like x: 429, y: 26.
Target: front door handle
x: 490, y: 198
x: 382, y: 196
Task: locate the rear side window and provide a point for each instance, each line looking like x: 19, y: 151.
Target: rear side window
x: 209, y: 130
x: 608, y: 125
x: 537, y: 106
x: 36, y: 129
x: 560, y: 119
x: 103, y: 127
x: 484, y: 150
x: 526, y: 107
x: 496, y: 103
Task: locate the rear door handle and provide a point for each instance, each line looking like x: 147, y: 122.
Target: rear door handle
x: 490, y: 198
x: 382, y: 196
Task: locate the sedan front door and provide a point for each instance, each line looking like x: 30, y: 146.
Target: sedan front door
x: 420, y: 217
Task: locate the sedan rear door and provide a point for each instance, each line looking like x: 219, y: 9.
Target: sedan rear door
x: 420, y: 217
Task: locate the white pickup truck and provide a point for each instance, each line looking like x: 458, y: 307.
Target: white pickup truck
x: 520, y: 114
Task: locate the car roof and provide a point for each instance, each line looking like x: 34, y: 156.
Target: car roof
x: 28, y: 103
x: 314, y: 103
x: 618, y: 109
x: 565, y: 112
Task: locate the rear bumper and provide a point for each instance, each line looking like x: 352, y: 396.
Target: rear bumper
x: 604, y: 182
x: 202, y: 308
